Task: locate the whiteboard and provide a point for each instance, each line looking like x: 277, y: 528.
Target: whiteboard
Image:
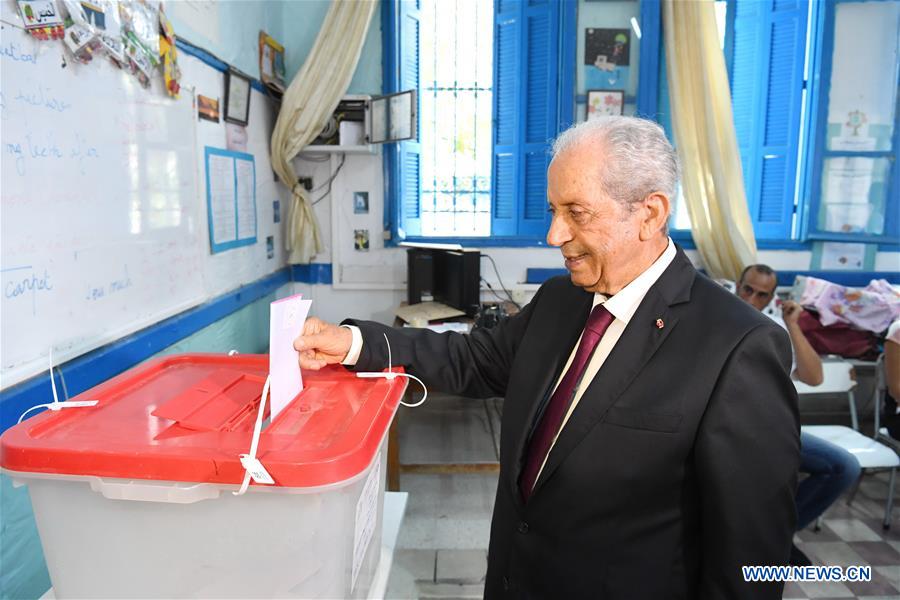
x: 103, y: 224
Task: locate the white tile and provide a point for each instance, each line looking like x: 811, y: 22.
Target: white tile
x: 463, y: 534
x: 461, y: 566
x: 832, y: 553
x: 419, y: 564
x: 892, y: 574
x: 826, y: 590
x: 852, y: 530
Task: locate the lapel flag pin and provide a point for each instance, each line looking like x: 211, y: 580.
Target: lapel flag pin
x: 660, y: 324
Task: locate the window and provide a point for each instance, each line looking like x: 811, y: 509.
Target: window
x: 853, y: 171
x: 815, y: 109
x: 455, y: 70
x: 479, y: 166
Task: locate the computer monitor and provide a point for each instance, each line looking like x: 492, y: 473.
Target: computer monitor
x: 451, y: 277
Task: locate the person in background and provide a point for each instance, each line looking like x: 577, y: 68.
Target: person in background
x: 891, y: 418
x: 830, y: 469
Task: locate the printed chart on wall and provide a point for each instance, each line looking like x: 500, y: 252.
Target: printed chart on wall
x: 99, y: 185
x: 230, y: 198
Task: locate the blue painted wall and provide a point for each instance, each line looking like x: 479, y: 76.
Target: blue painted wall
x: 302, y: 21
x: 294, y: 23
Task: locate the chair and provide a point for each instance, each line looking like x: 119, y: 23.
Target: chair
x: 881, y: 390
x: 838, y: 378
x: 871, y: 454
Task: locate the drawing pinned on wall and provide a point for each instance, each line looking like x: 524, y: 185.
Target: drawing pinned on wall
x: 361, y: 240
x: 361, y: 203
x: 854, y: 134
x: 606, y: 58
x: 208, y: 108
x: 169, y: 54
x: 604, y: 103
x: 42, y: 19
x: 235, y: 137
x: 271, y: 63
x: 94, y: 13
x: 81, y: 42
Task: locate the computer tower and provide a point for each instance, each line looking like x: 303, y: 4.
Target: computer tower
x: 419, y: 275
x: 457, y: 279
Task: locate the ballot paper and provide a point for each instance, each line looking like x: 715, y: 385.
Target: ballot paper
x: 286, y: 323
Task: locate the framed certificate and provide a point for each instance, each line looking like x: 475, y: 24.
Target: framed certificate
x: 237, y: 97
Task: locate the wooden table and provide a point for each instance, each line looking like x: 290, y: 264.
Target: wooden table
x: 395, y: 467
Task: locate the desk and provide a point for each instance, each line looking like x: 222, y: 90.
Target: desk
x: 395, y: 467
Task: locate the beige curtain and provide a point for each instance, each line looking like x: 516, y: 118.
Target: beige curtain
x: 308, y: 102
x: 712, y: 182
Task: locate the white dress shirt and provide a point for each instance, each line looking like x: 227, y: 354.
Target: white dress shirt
x: 622, y: 306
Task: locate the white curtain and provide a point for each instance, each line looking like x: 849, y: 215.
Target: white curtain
x: 712, y: 181
x: 308, y: 103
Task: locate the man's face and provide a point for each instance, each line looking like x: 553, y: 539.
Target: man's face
x: 596, y: 234
x: 757, y: 288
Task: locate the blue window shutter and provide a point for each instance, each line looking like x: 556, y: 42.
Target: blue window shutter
x: 526, y: 113
x: 507, y: 92
x: 766, y: 87
x: 408, y: 184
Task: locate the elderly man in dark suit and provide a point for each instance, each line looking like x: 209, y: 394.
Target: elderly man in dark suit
x: 650, y: 437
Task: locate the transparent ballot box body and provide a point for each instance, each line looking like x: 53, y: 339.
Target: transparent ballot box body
x: 133, y: 496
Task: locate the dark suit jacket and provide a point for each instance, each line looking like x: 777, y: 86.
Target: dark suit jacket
x: 677, y: 467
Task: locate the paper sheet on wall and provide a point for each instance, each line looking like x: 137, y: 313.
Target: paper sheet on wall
x: 246, y: 199
x: 841, y: 256
x: 847, y: 218
x: 286, y: 323
x: 221, y: 198
x: 848, y: 180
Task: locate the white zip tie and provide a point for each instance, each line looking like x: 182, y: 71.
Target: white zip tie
x: 390, y: 375
x: 56, y: 404
x: 253, y: 468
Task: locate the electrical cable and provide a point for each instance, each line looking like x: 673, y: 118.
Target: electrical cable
x: 503, y: 287
x: 329, y: 182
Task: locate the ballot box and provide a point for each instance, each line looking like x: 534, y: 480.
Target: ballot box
x: 134, y: 497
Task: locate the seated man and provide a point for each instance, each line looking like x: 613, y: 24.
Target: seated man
x: 831, y: 469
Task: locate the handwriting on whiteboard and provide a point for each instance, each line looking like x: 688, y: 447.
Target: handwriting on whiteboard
x: 43, y: 97
x: 37, y: 149
x: 113, y: 287
x: 12, y: 52
x: 24, y: 282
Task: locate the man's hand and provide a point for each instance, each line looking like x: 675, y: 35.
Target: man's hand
x: 322, y: 344
x: 790, y: 312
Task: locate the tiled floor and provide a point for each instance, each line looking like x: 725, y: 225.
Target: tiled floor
x: 442, y: 548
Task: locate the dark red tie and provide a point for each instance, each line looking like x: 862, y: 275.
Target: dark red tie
x: 597, y: 324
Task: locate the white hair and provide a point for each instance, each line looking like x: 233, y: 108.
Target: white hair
x: 638, y: 158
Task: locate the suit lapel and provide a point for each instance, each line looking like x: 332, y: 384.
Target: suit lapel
x: 560, y: 334
x: 638, y: 343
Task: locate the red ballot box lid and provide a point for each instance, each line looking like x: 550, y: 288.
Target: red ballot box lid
x: 189, y: 417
